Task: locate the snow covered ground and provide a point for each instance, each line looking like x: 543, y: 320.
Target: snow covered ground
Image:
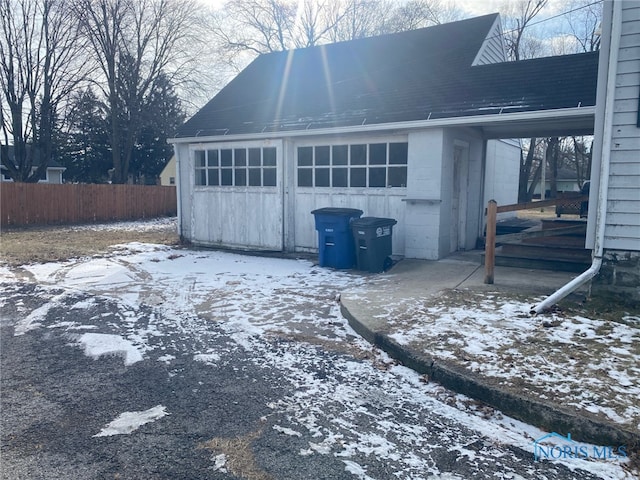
x: 555, y: 356
x: 345, y: 399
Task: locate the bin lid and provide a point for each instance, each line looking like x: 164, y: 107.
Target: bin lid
x: 373, y: 222
x: 343, y: 212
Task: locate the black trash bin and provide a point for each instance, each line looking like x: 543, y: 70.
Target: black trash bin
x: 335, y: 243
x: 372, y: 241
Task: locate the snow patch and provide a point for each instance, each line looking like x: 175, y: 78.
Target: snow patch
x: 128, y: 422
x: 98, y: 344
x: 287, y: 431
x: 36, y: 317
x: 219, y: 462
x: 208, y: 358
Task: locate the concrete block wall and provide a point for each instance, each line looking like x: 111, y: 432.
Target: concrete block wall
x: 422, y: 216
x: 619, y: 278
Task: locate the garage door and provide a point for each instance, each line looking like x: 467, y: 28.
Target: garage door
x: 237, y: 199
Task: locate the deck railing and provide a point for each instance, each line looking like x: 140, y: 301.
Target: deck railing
x: 491, y: 239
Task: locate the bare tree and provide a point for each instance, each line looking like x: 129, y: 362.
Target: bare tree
x: 584, y: 20
x: 518, y: 15
x: 359, y: 18
x: 257, y: 26
x: 133, y: 43
x: 262, y: 26
x: 39, y: 63
x: 423, y: 13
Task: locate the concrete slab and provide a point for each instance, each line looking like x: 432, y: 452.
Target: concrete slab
x: 395, y: 301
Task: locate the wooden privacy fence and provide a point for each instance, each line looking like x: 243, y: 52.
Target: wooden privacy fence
x: 42, y: 204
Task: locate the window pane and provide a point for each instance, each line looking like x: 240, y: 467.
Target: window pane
x: 199, y: 157
x: 322, y: 177
x: 339, y: 177
x: 340, y: 154
x: 358, y: 177
x: 201, y: 177
x: 225, y: 158
x: 254, y: 157
x: 397, y: 176
x: 269, y: 177
x: 358, y: 154
x: 213, y: 158
x: 240, y: 155
x: 305, y: 156
x: 378, y: 154
x: 213, y: 177
x: 269, y: 157
x: 305, y: 177
x: 255, y: 179
x: 378, y: 177
x: 322, y: 155
x: 227, y: 176
x: 241, y: 177
x: 398, y: 153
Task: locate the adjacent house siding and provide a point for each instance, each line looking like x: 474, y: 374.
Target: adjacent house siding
x: 492, y: 50
x: 168, y: 174
x: 623, y: 218
x: 502, y: 172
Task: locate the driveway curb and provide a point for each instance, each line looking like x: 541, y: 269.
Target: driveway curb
x: 540, y: 414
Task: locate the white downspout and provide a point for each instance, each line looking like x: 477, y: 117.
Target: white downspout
x: 603, y: 189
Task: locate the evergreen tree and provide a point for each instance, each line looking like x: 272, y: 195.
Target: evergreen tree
x: 86, y: 151
x: 162, y: 114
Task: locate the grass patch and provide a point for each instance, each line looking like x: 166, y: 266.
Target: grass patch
x: 55, y: 244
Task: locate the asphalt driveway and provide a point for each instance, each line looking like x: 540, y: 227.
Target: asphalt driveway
x: 155, y: 362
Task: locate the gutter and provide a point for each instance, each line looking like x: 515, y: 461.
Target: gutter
x: 470, y: 121
x: 604, y: 159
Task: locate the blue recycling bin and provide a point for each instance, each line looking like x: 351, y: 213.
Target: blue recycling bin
x: 335, y: 240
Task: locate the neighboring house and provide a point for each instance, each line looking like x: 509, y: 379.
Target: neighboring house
x: 53, y: 173
x: 407, y: 126
x: 168, y: 174
x: 613, y: 229
x: 566, y: 181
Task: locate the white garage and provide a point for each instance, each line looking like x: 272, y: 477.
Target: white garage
x: 405, y: 126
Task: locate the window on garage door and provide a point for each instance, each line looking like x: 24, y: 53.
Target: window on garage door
x: 236, y: 167
x: 375, y: 165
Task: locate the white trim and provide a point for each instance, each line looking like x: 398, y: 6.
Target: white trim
x: 470, y: 121
x: 601, y: 156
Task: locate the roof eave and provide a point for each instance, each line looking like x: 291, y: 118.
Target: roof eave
x: 483, y: 121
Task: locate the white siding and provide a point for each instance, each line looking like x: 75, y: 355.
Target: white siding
x: 502, y: 173
x: 623, y: 215
x: 492, y: 50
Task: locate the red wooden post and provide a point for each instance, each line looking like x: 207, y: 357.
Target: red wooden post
x: 490, y: 242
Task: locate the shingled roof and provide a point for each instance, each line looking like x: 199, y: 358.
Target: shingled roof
x: 415, y: 75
